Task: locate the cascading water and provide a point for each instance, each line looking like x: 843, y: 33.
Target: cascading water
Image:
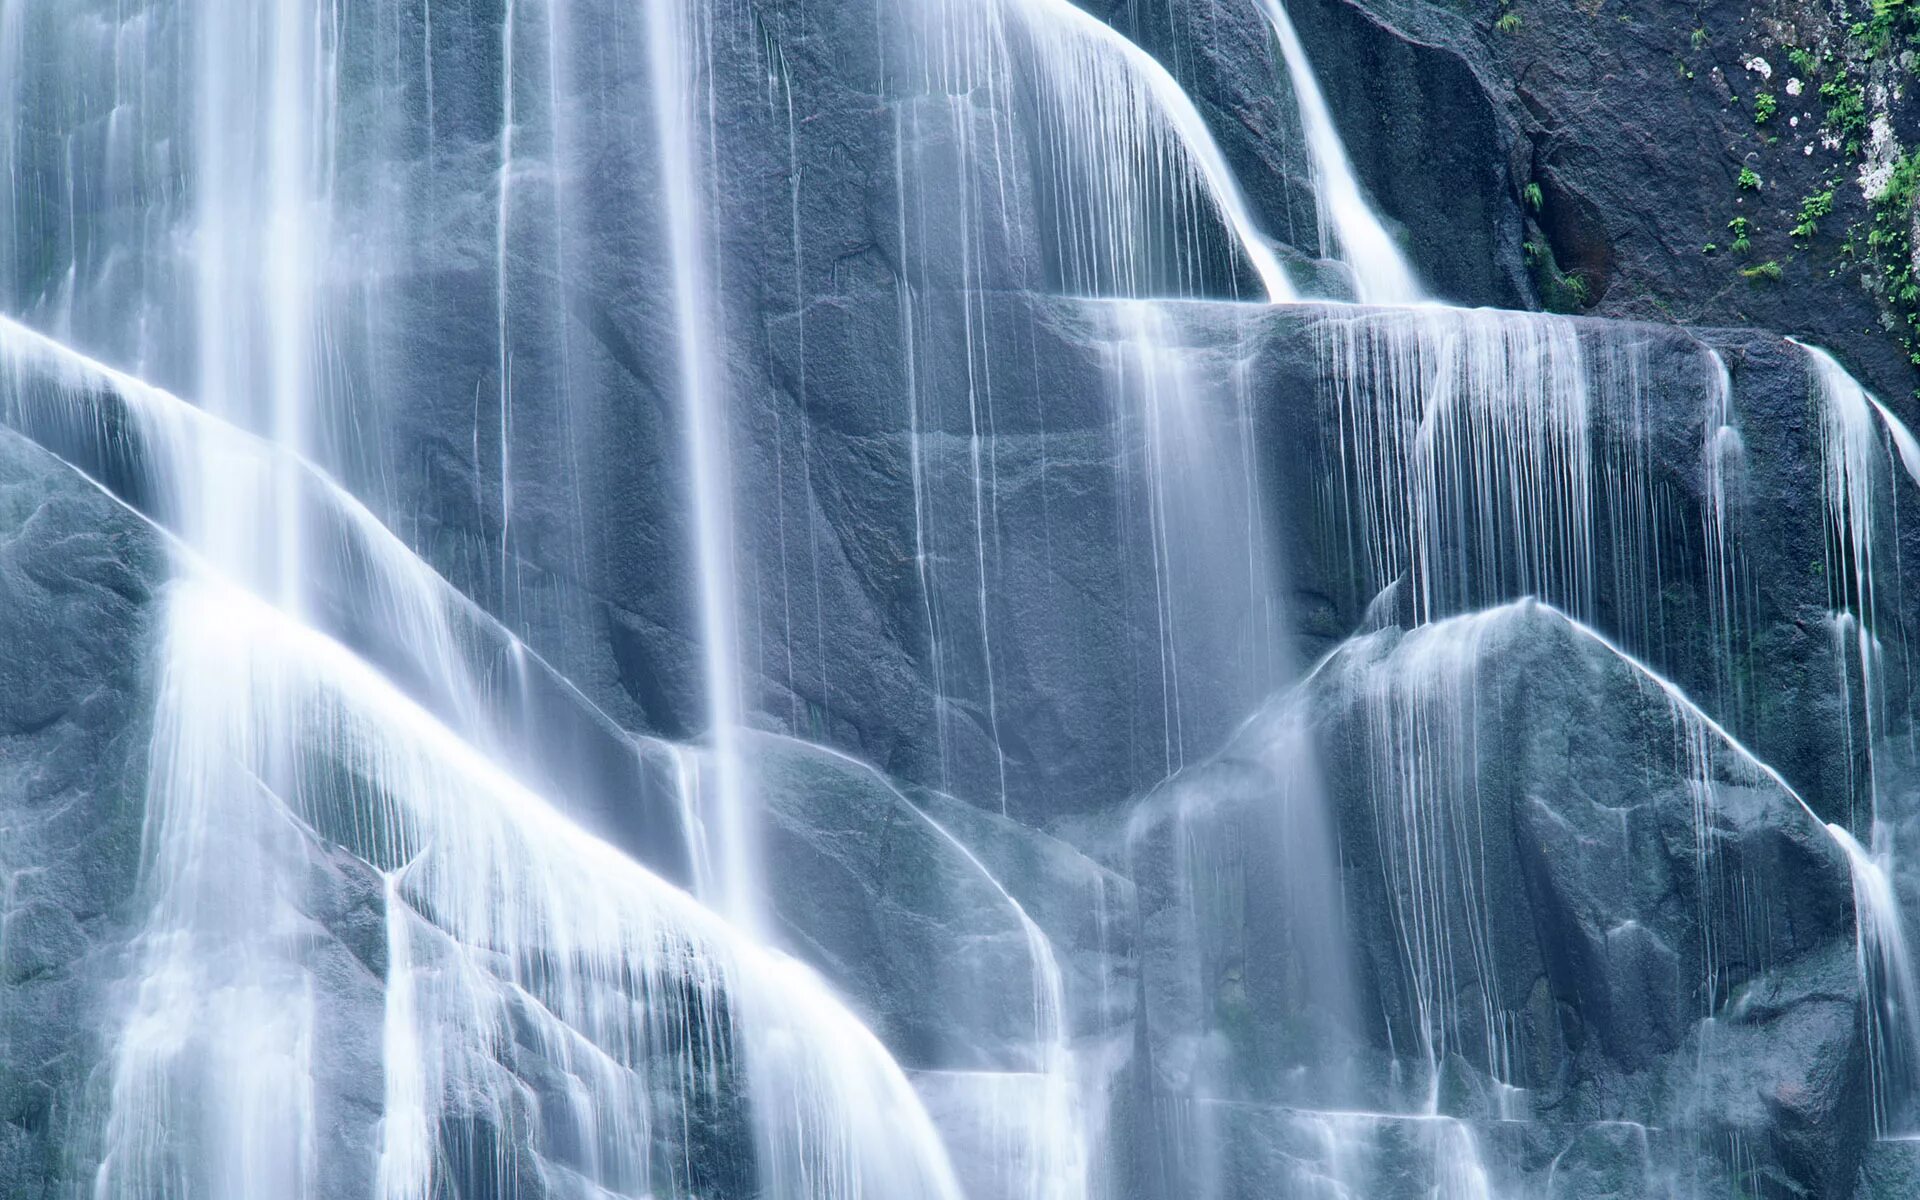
x: 1893, y: 996
x: 1040, y: 1115
x: 1380, y: 273
x: 611, y: 427
x: 1452, y: 413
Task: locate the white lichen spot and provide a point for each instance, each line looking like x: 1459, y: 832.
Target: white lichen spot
x: 1759, y: 66
x: 1793, y: 122
x: 1795, y: 87
x: 1876, y: 169
x: 1808, y: 150
x: 1830, y: 140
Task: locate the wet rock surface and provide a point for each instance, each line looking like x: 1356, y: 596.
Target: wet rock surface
x: 78, y: 577
x: 1536, y: 899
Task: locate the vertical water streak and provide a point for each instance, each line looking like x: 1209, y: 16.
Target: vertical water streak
x: 1892, y: 997
x: 1423, y: 773
x: 1855, y: 471
x: 503, y: 362
x: 12, y: 74
x: 1725, y: 462
x: 1059, y: 1155
x: 405, y: 1169
x: 917, y: 472
x: 1463, y: 454
x: 264, y: 120
x: 674, y: 43
x: 1381, y: 274
x: 1129, y: 171
x: 1187, y: 456
x: 1162, y: 396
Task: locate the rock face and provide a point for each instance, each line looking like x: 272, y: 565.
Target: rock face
x: 1562, y: 897
x: 78, y: 577
x: 1551, y: 116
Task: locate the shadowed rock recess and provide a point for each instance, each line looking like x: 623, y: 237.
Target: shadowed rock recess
x: 958, y: 600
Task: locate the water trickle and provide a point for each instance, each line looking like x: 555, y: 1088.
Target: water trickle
x: 676, y: 35
x: 1133, y: 196
x: 503, y: 362
x: 1728, y: 582
x: 1050, y: 1126
x: 1184, y: 418
x: 1466, y: 453
x: 1892, y: 993
x: 1348, y: 223
x: 1861, y: 441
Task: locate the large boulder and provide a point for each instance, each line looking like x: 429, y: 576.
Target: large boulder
x: 1561, y: 894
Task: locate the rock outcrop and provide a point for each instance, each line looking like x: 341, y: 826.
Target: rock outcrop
x: 1561, y: 897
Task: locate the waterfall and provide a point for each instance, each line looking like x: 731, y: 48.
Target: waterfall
x: 261, y: 240
x: 274, y: 745
x: 1904, y: 442
x: 793, y: 600
x: 1853, y: 451
x: 515, y: 917
x: 1114, y: 104
x: 1728, y: 581
x: 1051, y: 1127
x: 1467, y: 456
x: 1893, y: 1006
x: 675, y: 35
x: 1184, y: 419
x: 1861, y: 441
x: 260, y: 720
x: 1129, y: 177
x: 1381, y: 274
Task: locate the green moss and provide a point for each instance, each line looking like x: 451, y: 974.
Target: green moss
x: 1764, y: 106
x: 1846, y: 103
x: 1748, y: 181
x: 1766, y: 272
x: 1560, y: 292
x: 1890, y: 247
x: 1531, y: 194
x: 1509, y: 22
x: 1815, y: 206
x: 1742, y: 230
x: 1891, y: 22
